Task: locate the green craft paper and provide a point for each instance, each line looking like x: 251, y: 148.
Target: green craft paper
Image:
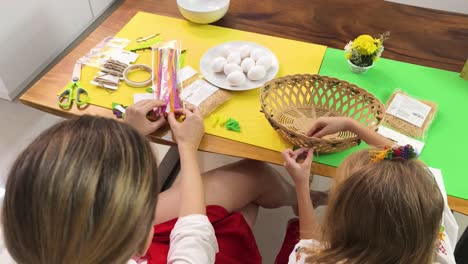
x: 447, y: 138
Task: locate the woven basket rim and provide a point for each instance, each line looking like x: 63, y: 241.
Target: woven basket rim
x: 321, y: 140
x: 312, y: 75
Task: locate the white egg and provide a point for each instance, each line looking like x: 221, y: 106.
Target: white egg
x: 256, y: 73
x: 256, y: 54
x: 247, y: 63
x: 264, y: 61
x: 274, y: 63
x: 234, y: 57
x: 225, y: 50
x: 236, y: 78
x: 231, y: 67
x: 245, y: 51
x: 218, y: 64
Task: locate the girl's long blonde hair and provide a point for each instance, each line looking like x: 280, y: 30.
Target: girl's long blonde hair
x: 381, y: 212
x: 84, y: 192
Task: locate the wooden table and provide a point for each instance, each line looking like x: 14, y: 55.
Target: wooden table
x: 330, y: 23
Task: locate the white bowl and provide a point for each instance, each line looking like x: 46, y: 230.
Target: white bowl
x: 203, y: 11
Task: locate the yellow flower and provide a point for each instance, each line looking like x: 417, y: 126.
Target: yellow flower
x: 366, y: 45
x: 348, y: 55
x: 378, y: 42
x: 364, y: 38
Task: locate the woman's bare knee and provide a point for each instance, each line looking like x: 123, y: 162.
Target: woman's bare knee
x: 255, y: 167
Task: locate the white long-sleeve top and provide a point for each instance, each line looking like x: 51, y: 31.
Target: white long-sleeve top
x: 192, y: 241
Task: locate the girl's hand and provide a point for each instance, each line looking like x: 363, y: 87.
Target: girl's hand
x: 189, y: 132
x: 135, y: 115
x: 323, y: 126
x: 300, y: 172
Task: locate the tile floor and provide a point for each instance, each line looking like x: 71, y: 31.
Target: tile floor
x: 21, y: 124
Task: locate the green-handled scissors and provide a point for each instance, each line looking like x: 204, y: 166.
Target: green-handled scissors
x: 81, y: 96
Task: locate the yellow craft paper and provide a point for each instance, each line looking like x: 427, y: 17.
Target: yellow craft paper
x: 294, y: 57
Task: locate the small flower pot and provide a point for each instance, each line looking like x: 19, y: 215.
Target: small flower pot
x: 358, y: 69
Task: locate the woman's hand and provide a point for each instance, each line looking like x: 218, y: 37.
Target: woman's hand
x: 135, y: 115
x: 189, y: 132
x: 323, y: 126
x: 300, y: 172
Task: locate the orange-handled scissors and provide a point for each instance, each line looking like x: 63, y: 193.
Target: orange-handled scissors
x: 81, y: 96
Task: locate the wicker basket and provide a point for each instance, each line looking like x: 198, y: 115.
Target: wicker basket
x: 291, y: 103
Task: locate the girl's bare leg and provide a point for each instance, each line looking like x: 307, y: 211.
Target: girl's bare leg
x: 238, y: 187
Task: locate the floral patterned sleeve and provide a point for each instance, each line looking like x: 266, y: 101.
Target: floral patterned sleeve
x: 298, y: 255
x: 447, y: 238
x: 449, y: 228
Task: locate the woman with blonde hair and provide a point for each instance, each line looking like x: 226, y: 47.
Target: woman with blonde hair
x: 385, y: 206
x: 85, y: 191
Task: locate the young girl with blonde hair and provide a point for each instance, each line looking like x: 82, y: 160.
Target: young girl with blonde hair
x: 385, y: 206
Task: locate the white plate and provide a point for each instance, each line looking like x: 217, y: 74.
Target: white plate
x: 219, y: 79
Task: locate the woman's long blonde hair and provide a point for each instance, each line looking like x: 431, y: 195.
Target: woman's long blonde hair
x: 381, y: 212
x: 84, y: 192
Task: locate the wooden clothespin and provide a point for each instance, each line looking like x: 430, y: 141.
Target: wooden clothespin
x: 464, y: 72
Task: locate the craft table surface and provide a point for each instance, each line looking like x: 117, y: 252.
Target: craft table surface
x: 446, y: 145
x: 244, y: 106
x: 301, y: 20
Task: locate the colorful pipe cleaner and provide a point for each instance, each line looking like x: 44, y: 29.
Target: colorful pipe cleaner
x: 394, y: 153
x: 118, y: 110
x: 233, y: 125
x: 226, y: 122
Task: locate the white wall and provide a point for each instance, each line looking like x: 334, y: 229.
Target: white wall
x: 3, y: 90
x: 99, y: 6
x: 34, y: 32
x: 457, y: 6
